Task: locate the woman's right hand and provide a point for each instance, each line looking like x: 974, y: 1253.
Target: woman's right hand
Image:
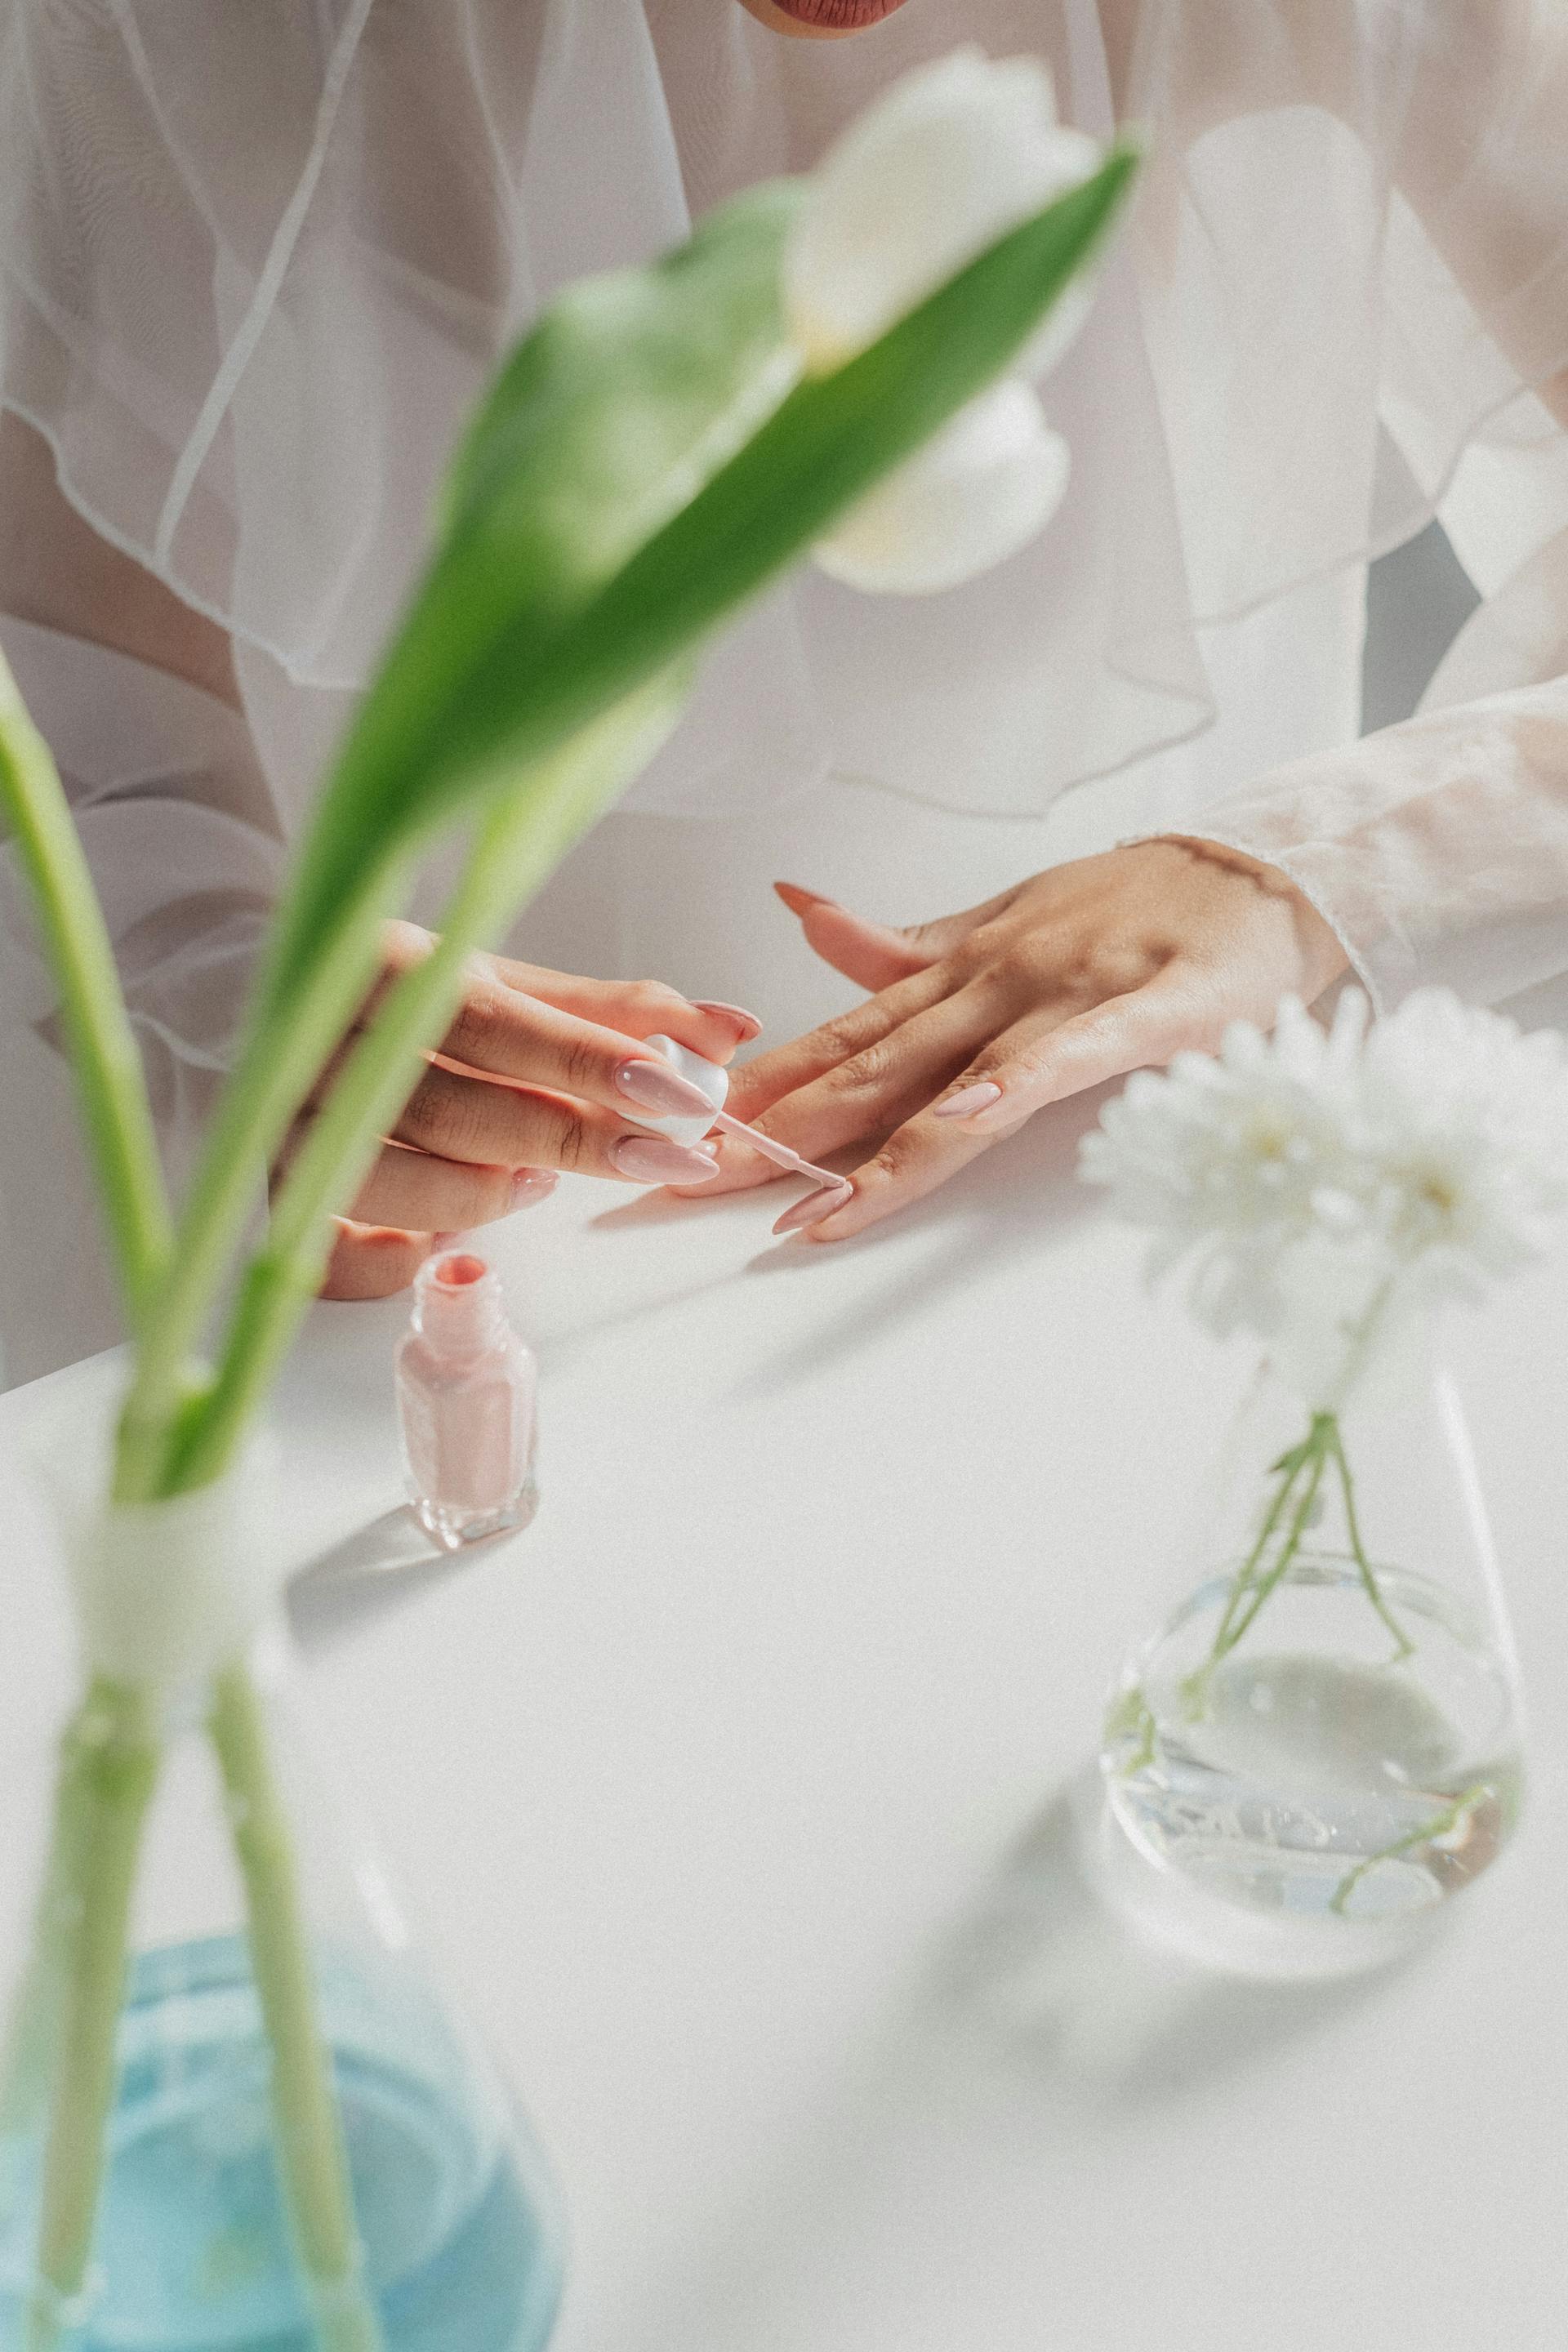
x: 541, y: 1071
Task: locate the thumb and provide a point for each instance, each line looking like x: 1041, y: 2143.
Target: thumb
x: 875, y: 955
x: 374, y: 1261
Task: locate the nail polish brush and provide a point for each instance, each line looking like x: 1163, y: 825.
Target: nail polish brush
x: 712, y: 1079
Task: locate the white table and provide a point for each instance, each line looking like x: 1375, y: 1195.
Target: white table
x: 732, y: 1797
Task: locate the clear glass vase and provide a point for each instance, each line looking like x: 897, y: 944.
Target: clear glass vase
x: 1321, y: 1745
x: 233, y: 2115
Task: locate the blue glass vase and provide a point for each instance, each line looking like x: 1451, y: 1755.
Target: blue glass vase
x: 296, y: 2148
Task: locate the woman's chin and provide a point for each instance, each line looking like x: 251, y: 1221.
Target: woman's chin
x: 820, y: 20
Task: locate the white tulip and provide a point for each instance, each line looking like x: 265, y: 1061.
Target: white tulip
x: 976, y: 492
x: 956, y: 154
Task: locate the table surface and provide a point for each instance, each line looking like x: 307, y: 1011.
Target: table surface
x: 731, y: 1799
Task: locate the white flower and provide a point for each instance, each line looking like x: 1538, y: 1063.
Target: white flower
x: 1465, y: 1126
x: 952, y: 157
x: 1324, y: 1185
x: 977, y: 491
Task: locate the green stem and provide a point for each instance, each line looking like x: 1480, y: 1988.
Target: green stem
x: 1290, y: 1466
x: 1300, y: 1521
x: 281, y: 1061
x: 1250, y: 1588
x: 111, y: 1091
x: 1423, y: 1834
x: 312, y: 2161
x: 1402, y: 1644
x: 109, y: 1769
x: 515, y: 850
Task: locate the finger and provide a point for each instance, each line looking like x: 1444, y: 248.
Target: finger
x: 489, y: 1124
x: 875, y: 955
x: 634, y: 1008
x: 417, y: 1190
x: 758, y: 1084
x: 1043, y: 1060
x: 889, y: 1082
x: 1036, y: 1061
x: 374, y: 1261
x: 642, y: 1008
x: 500, y: 1033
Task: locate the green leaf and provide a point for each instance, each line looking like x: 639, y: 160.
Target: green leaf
x: 639, y: 471
x: 648, y: 458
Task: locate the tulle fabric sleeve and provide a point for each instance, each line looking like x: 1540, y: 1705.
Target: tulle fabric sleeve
x: 185, y: 853
x: 1438, y: 849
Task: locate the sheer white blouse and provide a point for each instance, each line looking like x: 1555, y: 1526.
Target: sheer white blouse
x: 257, y: 261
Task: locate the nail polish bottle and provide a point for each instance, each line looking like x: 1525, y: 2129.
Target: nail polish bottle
x: 467, y: 1387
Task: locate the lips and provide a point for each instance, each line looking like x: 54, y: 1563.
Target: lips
x: 838, y: 15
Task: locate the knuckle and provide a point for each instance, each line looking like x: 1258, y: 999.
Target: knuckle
x: 445, y: 1117
x: 883, y: 1167
x: 865, y: 1070
x: 972, y: 956
x: 571, y: 1144
x: 845, y: 1033
x: 653, y: 995
x: 580, y: 1065
x: 473, y: 1034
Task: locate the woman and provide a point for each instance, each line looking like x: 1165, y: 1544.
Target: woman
x: 258, y: 264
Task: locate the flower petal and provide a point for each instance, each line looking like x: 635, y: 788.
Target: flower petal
x: 977, y: 492
x: 954, y: 156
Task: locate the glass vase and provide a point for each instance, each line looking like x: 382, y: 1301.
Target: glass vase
x: 1319, y: 1746
x: 232, y: 2115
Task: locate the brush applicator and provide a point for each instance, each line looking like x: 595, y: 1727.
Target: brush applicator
x: 714, y: 1080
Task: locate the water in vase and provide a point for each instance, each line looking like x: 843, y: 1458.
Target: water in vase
x: 192, y: 2249
x: 1315, y: 1791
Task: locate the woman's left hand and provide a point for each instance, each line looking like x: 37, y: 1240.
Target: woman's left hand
x: 1086, y: 971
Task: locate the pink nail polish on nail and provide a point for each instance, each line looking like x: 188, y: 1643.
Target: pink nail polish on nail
x: 467, y: 1390
x: 968, y: 1100
x: 823, y: 1203
x: 652, y: 1160
x: 529, y: 1185
x: 746, y: 1023
x: 654, y: 1085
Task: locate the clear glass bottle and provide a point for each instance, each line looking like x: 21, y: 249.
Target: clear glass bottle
x: 1321, y: 1746
x: 467, y: 1390
x: 234, y: 2116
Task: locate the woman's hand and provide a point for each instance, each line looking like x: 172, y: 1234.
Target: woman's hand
x: 539, y: 1072
x: 1090, y: 970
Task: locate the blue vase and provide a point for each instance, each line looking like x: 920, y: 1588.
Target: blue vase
x: 456, y: 2213
x: 334, y: 2168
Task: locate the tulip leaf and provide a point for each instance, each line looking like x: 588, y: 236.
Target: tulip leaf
x: 640, y: 467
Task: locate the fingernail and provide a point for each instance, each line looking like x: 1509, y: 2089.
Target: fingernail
x: 654, y: 1085
x: 532, y: 1184
x: 823, y: 1202
x: 795, y: 899
x: 746, y: 1023
x: 968, y: 1100
x: 653, y: 1160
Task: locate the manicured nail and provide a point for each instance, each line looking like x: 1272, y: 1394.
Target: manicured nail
x: 532, y: 1184
x: 823, y: 1202
x: 746, y: 1023
x: 797, y: 901
x: 654, y: 1085
x: 654, y: 1160
x: 968, y: 1100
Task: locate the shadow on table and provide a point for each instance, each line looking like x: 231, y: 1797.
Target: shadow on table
x: 1045, y: 1980
x: 1013, y: 1204
x: 1038, y: 2026
x: 373, y: 1570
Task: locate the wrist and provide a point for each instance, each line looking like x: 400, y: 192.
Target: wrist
x: 1321, y: 953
